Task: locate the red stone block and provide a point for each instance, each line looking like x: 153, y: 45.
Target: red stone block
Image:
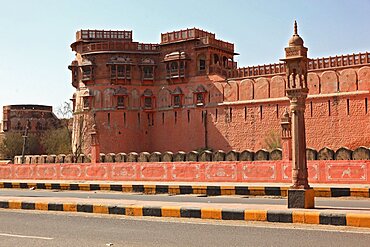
x: 185, y: 172
x: 260, y: 171
x: 220, y: 172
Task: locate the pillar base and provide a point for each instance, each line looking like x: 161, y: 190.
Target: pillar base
x: 301, y: 198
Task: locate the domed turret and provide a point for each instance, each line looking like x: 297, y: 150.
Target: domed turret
x: 295, y: 40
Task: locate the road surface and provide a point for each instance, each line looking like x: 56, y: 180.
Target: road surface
x: 34, y: 228
x: 336, y: 202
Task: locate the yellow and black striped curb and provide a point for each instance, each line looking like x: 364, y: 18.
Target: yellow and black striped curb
x: 282, y: 216
x: 189, y: 189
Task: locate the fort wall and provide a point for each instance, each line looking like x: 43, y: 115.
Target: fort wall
x: 234, y: 117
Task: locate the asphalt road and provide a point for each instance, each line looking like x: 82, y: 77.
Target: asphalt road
x: 359, y: 203
x: 33, y: 228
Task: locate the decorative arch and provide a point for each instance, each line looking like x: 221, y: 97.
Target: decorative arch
x: 246, y: 89
x: 148, y: 93
x: 164, y: 98
x: 108, y: 98
x: 348, y: 80
x: 313, y: 83
x: 97, y: 99
x: 231, y: 91
x: 364, y: 78
x: 261, y: 88
x: 329, y: 82
x: 277, y: 87
x: 135, y: 102
x: 216, y: 92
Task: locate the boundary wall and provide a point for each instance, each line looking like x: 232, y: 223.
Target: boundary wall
x: 320, y: 171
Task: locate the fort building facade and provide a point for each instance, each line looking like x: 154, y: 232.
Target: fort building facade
x: 37, y: 118
x: 188, y: 93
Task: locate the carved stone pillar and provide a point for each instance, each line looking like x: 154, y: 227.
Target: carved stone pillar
x: 300, y: 195
x: 95, y: 145
x: 297, y: 99
x: 286, y: 136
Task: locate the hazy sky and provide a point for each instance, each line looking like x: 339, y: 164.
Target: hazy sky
x: 35, y: 34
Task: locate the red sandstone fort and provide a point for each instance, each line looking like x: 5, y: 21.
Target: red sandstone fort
x: 188, y: 93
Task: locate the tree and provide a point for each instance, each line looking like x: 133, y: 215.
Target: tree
x: 57, y: 141
x: 12, y: 144
x: 272, y: 140
x: 65, y: 111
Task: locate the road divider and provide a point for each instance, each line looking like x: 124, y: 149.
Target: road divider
x: 278, y: 216
x: 209, y: 190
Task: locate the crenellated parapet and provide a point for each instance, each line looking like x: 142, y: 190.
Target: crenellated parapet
x: 325, y: 153
x: 314, y: 65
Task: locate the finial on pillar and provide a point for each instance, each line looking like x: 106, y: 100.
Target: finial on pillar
x: 295, y: 40
x: 295, y: 28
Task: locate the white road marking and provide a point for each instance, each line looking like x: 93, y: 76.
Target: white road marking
x: 24, y: 236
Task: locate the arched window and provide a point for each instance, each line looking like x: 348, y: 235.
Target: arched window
x: 86, y: 73
x: 148, y: 98
x: 121, y: 72
x: 121, y: 95
x: 177, y: 96
x: 148, y: 72
x: 201, y: 63
x: 86, y: 102
x: 199, y: 95
x: 148, y: 102
x: 174, y: 66
x: 120, y: 101
x: 216, y: 59
x: 147, y: 69
x: 87, y: 97
x: 120, y: 69
x: 224, y: 62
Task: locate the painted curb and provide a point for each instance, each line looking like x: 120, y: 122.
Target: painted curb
x: 277, y: 216
x: 189, y: 189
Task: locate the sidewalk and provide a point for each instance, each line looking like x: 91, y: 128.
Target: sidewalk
x: 220, y: 211
x: 215, y: 188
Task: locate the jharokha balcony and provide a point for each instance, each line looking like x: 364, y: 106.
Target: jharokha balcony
x: 101, y: 41
x: 205, y: 38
